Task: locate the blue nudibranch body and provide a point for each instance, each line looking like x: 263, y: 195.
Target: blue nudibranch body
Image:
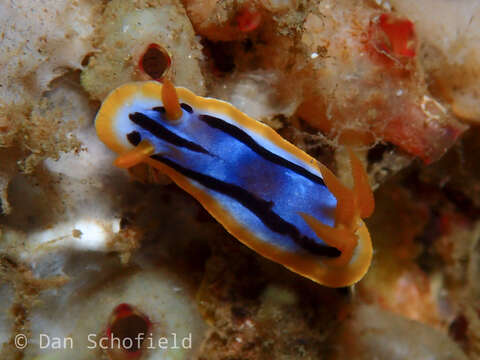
x: 266, y: 192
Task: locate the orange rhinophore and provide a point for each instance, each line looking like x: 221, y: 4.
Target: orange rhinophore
x: 393, y: 37
x: 170, y: 101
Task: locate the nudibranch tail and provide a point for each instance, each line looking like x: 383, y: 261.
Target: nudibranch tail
x: 266, y: 192
x: 170, y: 101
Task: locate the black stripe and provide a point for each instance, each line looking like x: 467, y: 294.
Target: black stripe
x: 159, y: 131
x: 246, y: 139
x: 134, y: 138
x: 260, y: 207
x: 159, y: 109
x: 186, y: 107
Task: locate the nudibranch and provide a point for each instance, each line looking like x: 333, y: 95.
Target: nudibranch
x: 266, y: 192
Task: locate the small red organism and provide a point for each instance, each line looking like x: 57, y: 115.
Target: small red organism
x: 248, y: 19
x: 393, y: 37
x: 127, y: 329
x: 406, y: 124
x: 155, y: 62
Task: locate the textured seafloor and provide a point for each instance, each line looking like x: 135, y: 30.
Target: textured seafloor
x: 87, y: 249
